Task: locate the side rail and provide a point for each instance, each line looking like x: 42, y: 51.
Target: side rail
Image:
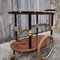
x: 25, y: 30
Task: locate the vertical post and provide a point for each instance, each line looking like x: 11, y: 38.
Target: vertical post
x: 51, y: 23
x: 36, y: 28
x: 29, y: 16
x: 36, y: 24
x: 15, y: 27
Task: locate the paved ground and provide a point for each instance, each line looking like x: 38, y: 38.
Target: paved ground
x: 56, y: 52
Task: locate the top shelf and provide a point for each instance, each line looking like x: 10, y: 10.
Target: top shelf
x: 50, y: 10
x: 31, y: 12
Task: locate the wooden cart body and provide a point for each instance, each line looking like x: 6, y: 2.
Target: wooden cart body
x: 32, y: 42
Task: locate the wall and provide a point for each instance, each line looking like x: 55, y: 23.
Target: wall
x: 56, y: 4
x: 7, y: 21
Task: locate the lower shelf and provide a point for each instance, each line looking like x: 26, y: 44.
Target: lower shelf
x: 22, y: 45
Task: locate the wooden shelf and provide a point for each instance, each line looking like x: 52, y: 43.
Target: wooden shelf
x: 22, y: 45
x: 50, y: 10
x: 31, y: 12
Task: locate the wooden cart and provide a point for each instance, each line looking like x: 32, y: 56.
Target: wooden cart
x: 41, y: 43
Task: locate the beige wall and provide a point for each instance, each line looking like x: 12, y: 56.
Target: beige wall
x: 56, y: 5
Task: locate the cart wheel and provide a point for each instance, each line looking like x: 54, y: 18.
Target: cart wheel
x: 45, y: 47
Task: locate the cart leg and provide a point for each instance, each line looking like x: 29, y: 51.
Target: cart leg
x: 13, y: 57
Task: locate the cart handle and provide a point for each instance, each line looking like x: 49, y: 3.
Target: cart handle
x: 27, y: 30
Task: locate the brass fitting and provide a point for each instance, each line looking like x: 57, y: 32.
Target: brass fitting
x: 30, y: 33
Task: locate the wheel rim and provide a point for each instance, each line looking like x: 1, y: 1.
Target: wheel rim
x: 46, y: 50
